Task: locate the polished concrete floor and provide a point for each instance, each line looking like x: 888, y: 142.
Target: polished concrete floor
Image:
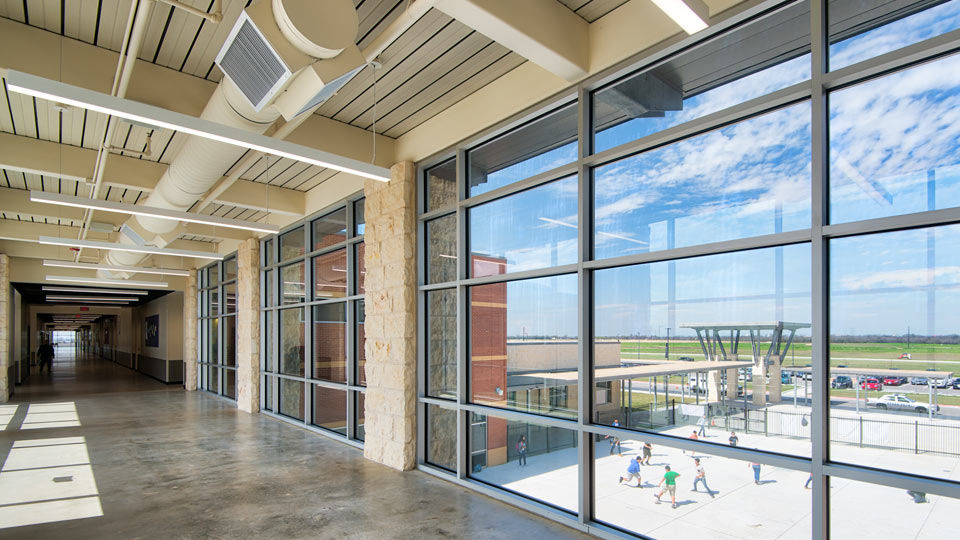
x: 97, y: 451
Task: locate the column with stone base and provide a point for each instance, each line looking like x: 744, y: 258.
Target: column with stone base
x: 391, y: 319
x: 248, y: 326
x: 190, y: 323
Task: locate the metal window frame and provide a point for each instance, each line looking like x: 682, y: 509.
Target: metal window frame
x: 814, y: 91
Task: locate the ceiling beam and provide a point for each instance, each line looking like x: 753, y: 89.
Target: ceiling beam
x: 543, y: 31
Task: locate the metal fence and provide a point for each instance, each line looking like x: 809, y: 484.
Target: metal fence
x: 645, y: 416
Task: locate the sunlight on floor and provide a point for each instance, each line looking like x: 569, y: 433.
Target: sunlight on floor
x: 47, y: 480
x: 6, y: 415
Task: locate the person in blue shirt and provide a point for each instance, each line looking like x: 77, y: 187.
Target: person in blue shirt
x: 633, y: 471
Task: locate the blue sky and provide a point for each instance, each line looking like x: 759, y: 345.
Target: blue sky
x: 894, y: 149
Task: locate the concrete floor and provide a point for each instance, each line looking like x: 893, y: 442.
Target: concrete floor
x: 149, y: 460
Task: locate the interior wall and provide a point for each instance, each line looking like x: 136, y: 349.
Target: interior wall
x: 165, y: 361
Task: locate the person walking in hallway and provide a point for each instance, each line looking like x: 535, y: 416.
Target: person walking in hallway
x: 701, y: 478
x: 45, y: 354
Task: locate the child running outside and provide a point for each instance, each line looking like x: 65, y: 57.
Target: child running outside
x: 701, y: 477
x: 633, y: 471
x: 669, y: 483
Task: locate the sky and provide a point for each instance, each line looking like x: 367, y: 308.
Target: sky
x: 894, y: 149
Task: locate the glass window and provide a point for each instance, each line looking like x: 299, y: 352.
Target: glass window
x: 544, y: 144
x: 894, y: 142
x: 213, y: 379
x: 330, y: 342
x: 269, y: 288
x: 268, y: 362
x: 291, y: 342
x: 906, y: 513
x: 267, y: 389
x: 291, y: 398
x: 230, y: 383
x: 213, y: 351
x: 330, y: 275
x: 750, y: 496
x: 442, y: 343
x: 293, y: 289
x: 504, y: 452
x: 361, y: 344
x: 230, y: 341
x: 330, y: 409
x: 230, y: 269
x: 360, y: 414
x: 735, y: 308
x: 230, y: 298
x: 359, y: 217
x: 893, y: 321
x: 737, y: 66
x: 213, y: 299
x: 867, y: 28
x: 747, y: 179
x: 292, y: 244
x: 441, y: 187
x: 441, y: 437
x: 532, y: 229
x: 523, y: 339
x: 441, y: 252
x: 213, y: 275
x: 361, y: 268
x: 268, y: 257
x: 330, y: 229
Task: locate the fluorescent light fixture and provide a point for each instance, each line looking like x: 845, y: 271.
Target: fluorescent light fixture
x: 149, y: 211
x: 92, y: 298
x: 62, y: 301
x: 48, y: 288
x: 38, y: 172
x: 131, y: 269
x: 599, y: 233
x: 40, y: 87
x: 93, y: 244
x: 691, y: 15
x: 120, y: 282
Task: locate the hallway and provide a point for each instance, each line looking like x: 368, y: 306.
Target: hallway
x: 98, y: 451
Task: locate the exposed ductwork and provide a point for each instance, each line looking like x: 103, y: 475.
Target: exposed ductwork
x: 280, y: 56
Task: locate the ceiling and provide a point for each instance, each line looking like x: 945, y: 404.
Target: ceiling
x: 33, y: 293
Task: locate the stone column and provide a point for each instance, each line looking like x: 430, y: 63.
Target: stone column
x: 6, y: 336
x: 733, y: 383
x: 190, y: 322
x: 391, y: 319
x: 776, y: 383
x: 760, y: 383
x: 248, y: 326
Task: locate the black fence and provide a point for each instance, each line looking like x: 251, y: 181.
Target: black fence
x: 645, y: 416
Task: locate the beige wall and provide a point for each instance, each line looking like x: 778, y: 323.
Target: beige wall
x: 170, y: 309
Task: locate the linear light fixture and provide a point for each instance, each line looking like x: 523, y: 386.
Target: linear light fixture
x: 47, y: 288
x: 92, y: 298
x: 149, y: 211
x: 131, y: 269
x: 40, y: 87
x: 120, y: 282
x: 38, y: 172
x: 69, y: 242
x: 63, y: 301
x: 691, y: 15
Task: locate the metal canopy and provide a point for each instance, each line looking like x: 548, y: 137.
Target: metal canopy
x: 655, y: 370
x: 712, y: 343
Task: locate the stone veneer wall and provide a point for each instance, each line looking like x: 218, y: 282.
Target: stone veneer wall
x: 248, y: 326
x: 6, y: 337
x: 391, y: 318
x: 190, y: 332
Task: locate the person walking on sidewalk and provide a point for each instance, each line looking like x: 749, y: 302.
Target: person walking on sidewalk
x: 669, y: 483
x: 633, y: 471
x: 701, y: 477
x: 702, y: 422
x: 522, y: 450
x: 756, y: 472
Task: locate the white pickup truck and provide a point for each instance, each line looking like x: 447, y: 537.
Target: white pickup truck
x: 900, y: 402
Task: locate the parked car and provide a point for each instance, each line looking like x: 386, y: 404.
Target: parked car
x: 905, y: 355
x: 685, y: 359
x: 892, y: 381
x: 956, y: 383
x: 842, y: 381
x: 945, y: 382
x: 786, y: 377
x: 871, y: 384
x: 922, y: 381
x: 900, y: 402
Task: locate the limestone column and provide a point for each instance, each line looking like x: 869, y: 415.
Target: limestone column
x: 190, y: 333
x: 248, y: 326
x: 776, y: 383
x: 391, y: 318
x: 760, y: 383
x: 6, y: 337
x: 733, y: 383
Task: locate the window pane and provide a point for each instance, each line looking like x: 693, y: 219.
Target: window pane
x: 213, y: 302
x: 230, y: 298
x: 269, y: 288
x: 213, y: 379
x: 359, y: 217
x: 441, y: 188
x: 441, y: 249
x: 523, y: 344
x: 229, y: 341
x: 292, y: 244
x: 330, y: 409
x: 291, y: 398
x: 361, y: 344
x: 893, y: 326
x: 748, y: 62
x: 267, y: 389
x: 291, y: 341
x: 330, y: 229
x: 533, y: 229
x: 906, y: 514
x: 542, y: 145
x: 442, y: 343
x: 442, y: 437
x: 213, y: 352
x: 867, y: 28
x: 330, y: 342
x: 230, y: 269
x: 230, y: 383
x: 748, y: 179
x: 268, y: 340
x: 213, y: 275
x: 895, y: 152
x: 294, y: 290
x: 744, y: 306
x: 330, y: 275
x: 533, y: 460
x: 360, y: 413
x: 361, y: 267
x: 734, y: 499
x: 268, y: 257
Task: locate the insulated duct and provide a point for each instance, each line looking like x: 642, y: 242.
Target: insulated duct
x: 295, y: 33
